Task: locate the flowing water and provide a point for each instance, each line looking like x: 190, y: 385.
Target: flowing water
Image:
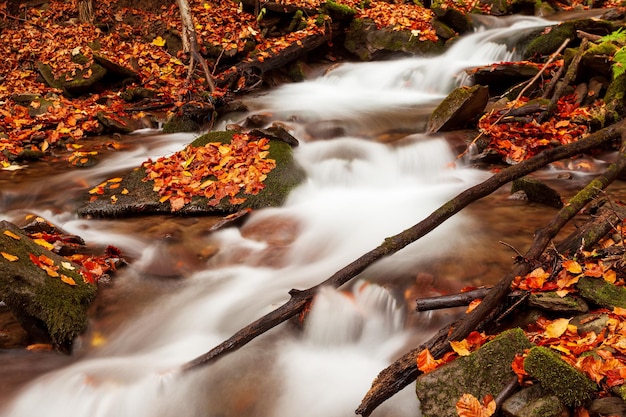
x: 188, y: 289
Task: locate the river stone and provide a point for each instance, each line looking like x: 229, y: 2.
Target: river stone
x: 601, y: 292
x: 47, y: 308
x: 551, y: 301
x: 569, y: 384
x: 458, y: 109
x: 608, y: 406
x: 586, y: 323
x: 486, y: 371
x: 501, y: 77
x: 116, y: 70
x: 533, y: 401
x: 139, y: 198
x: 368, y: 42
x: 549, y: 41
x: 537, y: 192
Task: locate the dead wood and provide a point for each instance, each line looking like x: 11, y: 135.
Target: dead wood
x: 300, y: 299
x: 572, y: 69
x: 452, y: 300
x: 404, y: 371
x: 190, y: 44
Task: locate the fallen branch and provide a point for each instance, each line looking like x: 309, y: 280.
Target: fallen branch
x: 404, y: 371
x: 391, y: 245
x: 452, y: 300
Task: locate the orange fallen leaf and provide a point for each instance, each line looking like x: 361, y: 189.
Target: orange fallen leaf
x: 469, y: 406
x: 426, y: 362
x: 11, y: 234
x: 9, y: 257
x: 460, y: 347
x: 68, y: 280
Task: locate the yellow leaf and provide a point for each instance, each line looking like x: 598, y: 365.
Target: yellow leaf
x: 9, y: 257
x: 11, y: 234
x: 125, y: 191
x: 572, y: 266
x: 118, y: 179
x: 67, y: 280
x: 610, y: 276
x: 164, y: 199
x: 44, y: 243
x: 158, y: 41
x: 68, y: 266
x: 460, y: 347
x: 556, y: 328
x: 51, y: 272
x: 97, y: 339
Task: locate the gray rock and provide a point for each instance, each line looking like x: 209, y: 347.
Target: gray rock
x: 458, y: 109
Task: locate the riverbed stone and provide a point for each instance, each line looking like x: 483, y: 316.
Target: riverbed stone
x: 459, y: 108
x: 558, y: 377
x: 533, y: 401
x: 551, y: 301
x: 135, y: 196
x: 48, y: 308
x: 486, y: 371
x: 537, y: 192
x: 601, y: 292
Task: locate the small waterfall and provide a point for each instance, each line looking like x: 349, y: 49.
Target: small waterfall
x: 357, y: 193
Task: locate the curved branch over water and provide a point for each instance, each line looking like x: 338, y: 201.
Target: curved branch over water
x: 300, y: 299
x: 404, y: 371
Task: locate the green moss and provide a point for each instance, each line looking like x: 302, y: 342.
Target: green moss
x: 615, y: 93
x: 570, y: 385
x: 602, y: 292
x: 339, y: 10
x: 180, y: 124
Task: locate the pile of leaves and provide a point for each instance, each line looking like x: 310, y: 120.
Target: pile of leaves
x: 213, y: 171
x: 602, y: 356
x: 517, y: 139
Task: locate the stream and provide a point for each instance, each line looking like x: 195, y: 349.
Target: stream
x: 371, y: 174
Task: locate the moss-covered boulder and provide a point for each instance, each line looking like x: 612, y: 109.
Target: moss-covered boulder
x: 537, y: 192
x: 462, y: 106
x: 368, y: 42
x: 44, y: 291
x: 135, y: 192
x: 549, y: 41
x: 601, y: 292
x: 558, y: 377
x: 486, y: 371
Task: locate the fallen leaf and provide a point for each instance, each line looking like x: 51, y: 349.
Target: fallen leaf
x: 556, y: 328
x: 425, y: 361
x: 469, y: 406
x: 11, y: 234
x: 9, y: 257
x: 460, y: 347
x: 68, y: 280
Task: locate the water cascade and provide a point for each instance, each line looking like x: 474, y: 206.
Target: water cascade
x: 358, y: 192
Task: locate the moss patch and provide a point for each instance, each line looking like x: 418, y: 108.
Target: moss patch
x: 602, y: 293
x: 570, y: 385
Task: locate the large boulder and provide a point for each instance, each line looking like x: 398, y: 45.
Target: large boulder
x: 44, y: 291
x: 368, y: 42
x: 484, y: 372
x: 458, y: 109
x: 137, y: 192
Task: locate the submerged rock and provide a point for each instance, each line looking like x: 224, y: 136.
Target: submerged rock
x: 537, y: 192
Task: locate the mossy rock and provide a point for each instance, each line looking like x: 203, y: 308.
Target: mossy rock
x: 44, y: 305
x: 537, y: 192
x: 561, y: 379
x: 458, y: 109
x: 368, y: 42
x: 486, y: 371
x: 454, y: 18
x: 615, y: 97
x: 116, y: 70
x: 338, y: 12
x: 135, y: 196
x: 547, y: 43
x: 601, y: 292
x: 77, y: 84
x: 551, y: 301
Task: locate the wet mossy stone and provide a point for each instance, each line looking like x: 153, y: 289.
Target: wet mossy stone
x: 486, y: 371
x: 615, y: 97
x: 537, y: 192
x: 365, y: 40
x: 551, y: 301
x: 601, y: 292
x: 458, y: 109
x: 561, y: 379
x: 44, y: 305
x: 139, y: 197
x: 547, y: 43
x: 533, y: 401
x: 116, y: 70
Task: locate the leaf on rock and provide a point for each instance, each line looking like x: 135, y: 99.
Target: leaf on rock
x: 9, y: 257
x: 469, y: 406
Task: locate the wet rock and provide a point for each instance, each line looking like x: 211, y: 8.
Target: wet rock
x: 115, y: 70
x: 601, y: 292
x: 486, y: 371
x: 551, y: 301
x: 608, y: 406
x: 586, y: 323
x: 132, y: 195
x: 549, y: 41
x: 276, y: 132
x: 47, y: 307
x: 191, y: 117
x: 534, y: 401
x: 537, y: 192
x: 454, y: 18
x: 558, y: 377
x: 501, y: 77
x: 368, y: 42
x: 458, y: 109
x: 117, y: 124
x: 442, y: 30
